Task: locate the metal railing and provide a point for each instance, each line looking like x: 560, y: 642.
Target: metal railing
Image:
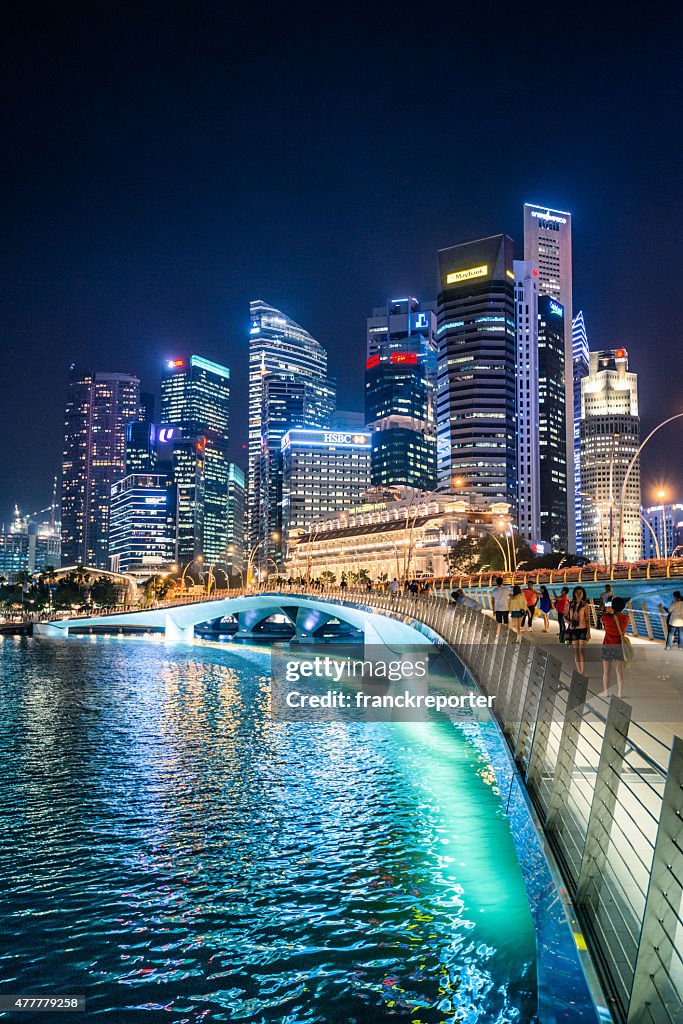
x: 608, y: 794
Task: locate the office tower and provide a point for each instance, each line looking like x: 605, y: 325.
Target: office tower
x: 140, y: 538
x: 552, y: 434
x: 140, y: 446
x: 29, y: 545
x: 476, y: 389
x: 345, y: 419
x: 195, y: 396
x: 548, y: 243
x: 288, y: 387
x: 237, y: 520
x: 580, y: 363
x: 400, y: 381
x: 610, y: 435
x: 528, y: 450
x: 184, y: 466
x: 323, y: 471
x: 98, y: 408
x: 663, y: 531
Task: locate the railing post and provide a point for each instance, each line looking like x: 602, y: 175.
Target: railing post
x: 604, y: 800
x: 653, y: 988
x: 541, y: 737
x: 566, y: 757
x: 648, y: 623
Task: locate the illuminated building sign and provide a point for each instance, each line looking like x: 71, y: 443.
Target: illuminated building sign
x: 166, y: 434
x: 410, y: 358
x: 556, y: 308
x: 467, y: 275
x: 620, y: 353
x: 372, y: 361
x: 420, y: 322
x: 174, y: 364
x: 325, y: 438
x: 553, y: 217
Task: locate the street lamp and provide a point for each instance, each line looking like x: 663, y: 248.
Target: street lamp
x: 620, y: 539
x: 197, y: 558
x: 257, y: 545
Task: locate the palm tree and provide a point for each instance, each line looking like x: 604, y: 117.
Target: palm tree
x: 81, y: 577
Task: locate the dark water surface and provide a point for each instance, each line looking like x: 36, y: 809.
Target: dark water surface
x: 172, y: 854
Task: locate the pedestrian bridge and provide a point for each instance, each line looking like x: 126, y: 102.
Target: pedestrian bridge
x: 307, y: 614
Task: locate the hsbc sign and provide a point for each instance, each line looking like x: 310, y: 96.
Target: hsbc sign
x: 339, y: 438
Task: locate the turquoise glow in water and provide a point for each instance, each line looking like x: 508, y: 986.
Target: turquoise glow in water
x: 173, y: 854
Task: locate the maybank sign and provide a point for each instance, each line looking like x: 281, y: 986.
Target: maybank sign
x: 467, y: 275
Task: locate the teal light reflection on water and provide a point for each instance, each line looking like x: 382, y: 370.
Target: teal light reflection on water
x: 166, y: 846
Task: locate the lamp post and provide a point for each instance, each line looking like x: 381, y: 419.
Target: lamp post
x: 197, y: 558
x: 250, y: 559
x: 584, y: 494
x: 620, y: 539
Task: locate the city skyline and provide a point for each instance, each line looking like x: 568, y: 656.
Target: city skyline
x: 139, y: 229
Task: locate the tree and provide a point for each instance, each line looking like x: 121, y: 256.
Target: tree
x: 328, y: 577
x: 463, y: 556
x: 67, y: 594
x: 104, y: 593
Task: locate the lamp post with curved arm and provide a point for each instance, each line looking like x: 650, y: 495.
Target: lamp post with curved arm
x: 622, y: 502
x: 197, y: 558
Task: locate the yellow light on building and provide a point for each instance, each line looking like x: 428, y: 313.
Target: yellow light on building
x: 467, y: 275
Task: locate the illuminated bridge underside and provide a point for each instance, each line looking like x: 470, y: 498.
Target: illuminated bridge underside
x: 307, y: 616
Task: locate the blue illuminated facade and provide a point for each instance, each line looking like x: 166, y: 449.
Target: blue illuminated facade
x: 580, y: 370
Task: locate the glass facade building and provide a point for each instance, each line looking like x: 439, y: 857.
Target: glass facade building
x: 400, y: 382
x: 528, y: 450
x: 476, y: 384
x: 288, y: 387
x: 99, y: 406
x: 195, y: 396
x: 139, y: 530
x: 580, y: 360
x: 610, y: 436
x: 548, y: 244
x: 663, y: 531
x: 552, y: 435
x: 323, y: 471
x: 237, y: 519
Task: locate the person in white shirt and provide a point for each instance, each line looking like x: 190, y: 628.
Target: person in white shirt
x: 500, y: 596
x: 675, y: 630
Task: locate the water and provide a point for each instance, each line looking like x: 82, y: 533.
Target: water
x: 172, y: 854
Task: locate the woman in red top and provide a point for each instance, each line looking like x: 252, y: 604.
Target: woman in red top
x: 615, y: 624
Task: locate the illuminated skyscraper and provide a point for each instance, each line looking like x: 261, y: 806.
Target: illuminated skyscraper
x: 288, y: 387
x: 98, y: 408
x: 476, y: 385
x: 195, y: 396
x: 580, y: 350
x: 548, y: 244
x: 400, y: 383
x: 528, y: 450
x: 139, y: 535
x: 237, y: 520
x: 610, y: 435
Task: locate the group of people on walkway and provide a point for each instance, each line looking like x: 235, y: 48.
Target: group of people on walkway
x: 516, y: 607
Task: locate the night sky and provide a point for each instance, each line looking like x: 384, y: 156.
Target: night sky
x: 162, y: 169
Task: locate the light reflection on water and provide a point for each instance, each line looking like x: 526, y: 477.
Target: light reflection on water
x: 170, y: 852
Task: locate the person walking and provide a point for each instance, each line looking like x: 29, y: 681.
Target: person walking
x: 604, y: 601
x: 393, y: 588
x: 414, y: 589
x: 578, y: 626
x: 561, y: 605
x: 531, y: 597
x: 675, y: 622
x: 517, y: 609
x: 545, y: 606
x: 500, y: 599
x: 615, y: 623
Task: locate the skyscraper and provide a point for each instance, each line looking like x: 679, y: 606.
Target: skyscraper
x: 98, y: 407
x: 400, y: 382
x: 552, y: 434
x: 580, y: 360
x: 528, y: 450
x: 237, y: 519
x: 548, y: 243
x: 288, y: 387
x: 139, y: 534
x: 610, y: 435
x: 476, y: 386
x: 195, y: 396
x: 663, y: 531
x: 323, y: 471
